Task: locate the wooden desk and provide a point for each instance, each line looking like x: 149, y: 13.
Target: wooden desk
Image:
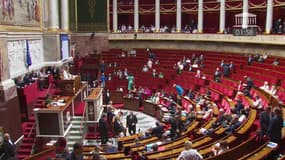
x: 70, y: 86
x: 116, y: 97
x: 131, y: 104
x: 150, y: 108
x: 55, y: 119
x: 154, y: 110
x: 93, y: 105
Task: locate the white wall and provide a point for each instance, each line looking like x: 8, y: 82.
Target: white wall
x: 17, y: 56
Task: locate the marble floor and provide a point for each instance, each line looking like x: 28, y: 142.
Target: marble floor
x: 144, y: 122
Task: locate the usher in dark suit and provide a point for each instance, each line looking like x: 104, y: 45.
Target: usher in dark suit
x: 103, y: 130
x: 7, y: 149
x: 131, y: 123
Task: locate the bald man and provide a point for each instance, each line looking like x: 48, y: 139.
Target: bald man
x: 7, y: 147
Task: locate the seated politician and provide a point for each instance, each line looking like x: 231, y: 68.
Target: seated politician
x: 65, y: 74
x: 48, y: 99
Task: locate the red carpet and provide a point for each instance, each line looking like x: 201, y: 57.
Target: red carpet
x: 79, y: 109
x: 26, y: 145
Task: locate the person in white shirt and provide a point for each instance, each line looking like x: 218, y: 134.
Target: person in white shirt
x: 188, y: 61
x: 208, y: 114
x: 154, y: 74
x: 126, y: 72
x: 189, y: 153
x: 220, y: 147
x: 149, y: 63
x: 198, y: 74
x: 265, y: 86
x: 180, y: 66
x: 145, y: 68
x: 273, y: 90
x: 258, y: 103
x: 41, y: 78
x: 123, y: 28
x: 66, y: 74
x: 130, y: 28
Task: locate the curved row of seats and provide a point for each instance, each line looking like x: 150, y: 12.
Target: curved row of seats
x: 225, y: 100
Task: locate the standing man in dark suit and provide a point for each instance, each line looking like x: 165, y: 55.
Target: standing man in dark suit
x: 55, y: 72
x: 7, y: 148
x: 131, y: 123
x: 103, y: 129
x: 275, y: 126
x: 106, y: 97
x: 264, y: 121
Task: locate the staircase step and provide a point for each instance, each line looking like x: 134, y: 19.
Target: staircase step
x: 71, y: 137
x: 21, y: 156
x: 76, y: 122
x: 26, y: 145
x: 29, y: 130
x: 75, y: 133
x: 24, y: 151
x: 27, y: 125
x: 28, y: 140
x: 76, y: 127
x: 79, y: 118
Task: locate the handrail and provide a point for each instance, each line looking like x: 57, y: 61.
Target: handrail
x: 42, y: 153
x: 34, y: 124
x: 81, y: 123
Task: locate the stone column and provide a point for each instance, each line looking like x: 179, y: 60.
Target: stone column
x: 136, y: 15
x: 178, y: 16
x: 245, y: 13
x: 115, y: 16
x: 222, y: 16
x: 157, y: 15
x: 7, y: 86
x: 200, y: 16
x: 64, y: 15
x: 53, y: 15
x: 269, y: 16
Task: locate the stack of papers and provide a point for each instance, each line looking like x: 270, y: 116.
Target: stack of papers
x: 272, y: 145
